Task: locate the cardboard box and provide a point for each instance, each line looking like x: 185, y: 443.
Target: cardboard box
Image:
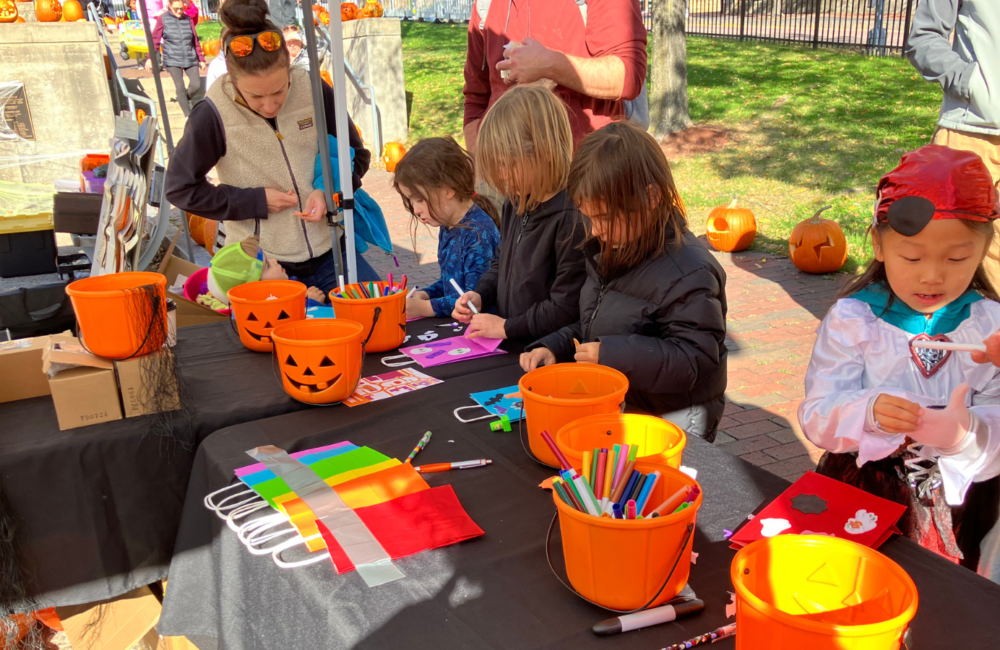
x: 134, y: 402
x: 119, y: 624
x: 84, y: 389
x: 188, y: 311
x: 21, y: 374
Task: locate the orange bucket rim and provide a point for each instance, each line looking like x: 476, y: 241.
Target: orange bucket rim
x: 301, y: 288
x: 276, y: 333
x: 900, y: 621
x: 366, y: 301
x: 619, y: 417
x: 559, y: 401
x: 75, y: 288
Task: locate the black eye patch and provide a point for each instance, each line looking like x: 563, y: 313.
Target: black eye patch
x: 910, y: 215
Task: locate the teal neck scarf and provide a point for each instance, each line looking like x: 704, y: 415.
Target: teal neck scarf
x: 944, y: 320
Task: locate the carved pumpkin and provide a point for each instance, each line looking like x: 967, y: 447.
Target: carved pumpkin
x: 48, y: 11
x: 260, y: 306
x: 730, y: 228
x: 320, y: 359
x: 210, y: 48
x: 72, y: 11
x: 393, y: 153
x: 818, y: 245
x: 348, y: 11
x: 8, y: 12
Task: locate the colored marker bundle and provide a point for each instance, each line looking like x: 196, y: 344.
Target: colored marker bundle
x: 369, y: 290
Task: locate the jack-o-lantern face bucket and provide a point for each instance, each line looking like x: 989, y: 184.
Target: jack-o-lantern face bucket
x: 390, y: 330
x: 258, y: 307
x: 319, y: 359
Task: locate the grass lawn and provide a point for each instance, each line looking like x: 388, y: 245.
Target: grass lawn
x: 209, y: 30
x: 811, y: 127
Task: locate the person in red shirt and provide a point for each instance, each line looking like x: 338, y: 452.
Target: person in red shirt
x: 594, y: 52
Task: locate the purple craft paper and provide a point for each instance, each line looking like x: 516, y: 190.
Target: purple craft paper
x: 451, y: 351
x: 259, y: 467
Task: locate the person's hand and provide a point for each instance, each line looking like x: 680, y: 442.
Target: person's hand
x: 528, y: 63
x: 202, y: 65
x: 945, y: 428
x: 486, y: 326
x: 417, y: 305
x: 315, y: 207
x: 462, y: 313
x: 421, y: 294
x: 992, y: 354
x: 587, y: 352
x: 148, y: 65
x: 897, y: 415
x: 278, y: 201
x: 315, y: 293
x: 536, y: 358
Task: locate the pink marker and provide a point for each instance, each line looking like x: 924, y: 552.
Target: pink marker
x: 630, y: 509
x: 620, y: 467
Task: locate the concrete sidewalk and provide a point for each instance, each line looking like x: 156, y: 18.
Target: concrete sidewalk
x: 774, y: 310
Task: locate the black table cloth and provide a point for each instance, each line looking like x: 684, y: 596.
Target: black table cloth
x: 495, y: 591
x: 96, y: 509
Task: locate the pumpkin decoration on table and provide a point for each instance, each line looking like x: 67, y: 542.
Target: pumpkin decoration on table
x: 348, y: 11
x: 818, y: 245
x: 72, y: 11
x: 210, y: 48
x: 48, y: 11
x: 320, y: 358
x: 394, y: 152
x: 372, y: 9
x: 321, y: 14
x: 730, y: 228
x: 8, y: 11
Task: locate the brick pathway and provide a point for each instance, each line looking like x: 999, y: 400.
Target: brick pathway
x: 774, y: 310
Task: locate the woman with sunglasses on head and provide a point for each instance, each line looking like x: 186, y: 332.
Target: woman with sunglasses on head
x: 257, y: 127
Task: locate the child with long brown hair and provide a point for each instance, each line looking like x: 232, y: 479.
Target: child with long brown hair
x: 436, y: 181
x: 654, y: 303
x: 524, y: 151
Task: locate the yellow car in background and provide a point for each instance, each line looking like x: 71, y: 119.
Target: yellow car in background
x: 132, y: 40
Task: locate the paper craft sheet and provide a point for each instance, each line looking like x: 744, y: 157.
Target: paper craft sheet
x: 871, y: 520
x: 390, y: 384
x: 459, y: 348
x: 502, y: 401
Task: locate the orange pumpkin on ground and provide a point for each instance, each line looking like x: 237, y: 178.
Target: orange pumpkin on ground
x: 8, y: 12
x: 818, y: 245
x: 730, y: 228
x: 48, y: 11
x: 348, y: 11
x: 394, y: 152
x: 72, y: 11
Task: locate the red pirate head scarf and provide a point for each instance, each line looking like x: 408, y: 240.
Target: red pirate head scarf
x: 936, y: 182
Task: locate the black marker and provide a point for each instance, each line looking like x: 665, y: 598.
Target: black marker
x: 665, y: 614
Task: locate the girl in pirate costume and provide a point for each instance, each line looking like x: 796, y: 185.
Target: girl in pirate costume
x: 918, y: 426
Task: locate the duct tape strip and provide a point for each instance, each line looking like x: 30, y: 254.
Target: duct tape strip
x: 373, y: 564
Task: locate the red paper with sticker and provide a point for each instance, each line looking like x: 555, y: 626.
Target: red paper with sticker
x: 819, y: 505
x: 410, y: 524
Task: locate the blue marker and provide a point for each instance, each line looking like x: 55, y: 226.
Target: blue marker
x: 640, y: 502
x: 617, y: 511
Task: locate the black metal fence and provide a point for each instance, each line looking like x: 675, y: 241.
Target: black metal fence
x: 880, y: 27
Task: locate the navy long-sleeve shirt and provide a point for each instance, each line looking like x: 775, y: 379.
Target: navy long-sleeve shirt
x: 464, y: 254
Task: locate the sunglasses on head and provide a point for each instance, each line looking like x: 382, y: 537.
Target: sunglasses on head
x: 243, y: 45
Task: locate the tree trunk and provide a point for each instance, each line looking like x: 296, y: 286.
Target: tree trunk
x: 668, y: 99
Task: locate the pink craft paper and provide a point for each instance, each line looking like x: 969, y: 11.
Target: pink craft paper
x: 489, y: 344
x: 259, y: 467
x: 440, y: 352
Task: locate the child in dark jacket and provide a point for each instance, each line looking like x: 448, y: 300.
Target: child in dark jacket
x: 436, y: 181
x: 654, y: 303
x: 524, y: 150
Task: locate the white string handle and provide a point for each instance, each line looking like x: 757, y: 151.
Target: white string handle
x: 319, y: 557
x: 475, y: 406
x: 243, y: 511
x: 294, y: 541
x: 208, y: 497
x: 391, y: 362
x: 255, y: 527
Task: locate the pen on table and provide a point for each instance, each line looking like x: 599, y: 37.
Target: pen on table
x: 444, y: 467
x: 675, y: 609
x: 462, y: 293
x: 709, y: 637
x: 950, y: 346
x: 420, y: 445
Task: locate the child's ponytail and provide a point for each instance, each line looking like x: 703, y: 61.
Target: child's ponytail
x: 488, y: 207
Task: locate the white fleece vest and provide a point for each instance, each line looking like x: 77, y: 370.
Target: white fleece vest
x: 257, y: 156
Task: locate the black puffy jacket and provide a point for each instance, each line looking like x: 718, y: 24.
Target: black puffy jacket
x: 662, y: 324
x: 537, y: 272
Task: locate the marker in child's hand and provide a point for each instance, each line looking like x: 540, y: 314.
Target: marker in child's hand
x: 412, y: 291
x: 576, y: 344
x: 462, y: 293
x: 949, y: 346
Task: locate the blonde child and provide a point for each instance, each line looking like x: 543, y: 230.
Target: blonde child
x: 918, y: 426
x: 654, y: 304
x: 436, y: 180
x: 524, y: 150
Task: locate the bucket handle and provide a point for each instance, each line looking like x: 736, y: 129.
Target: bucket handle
x: 680, y: 553
x: 142, y: 345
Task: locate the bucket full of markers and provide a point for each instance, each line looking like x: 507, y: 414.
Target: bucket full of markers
x: 624, y: 563
x: 820, y: 593
x: 556, y: 395
x: 259, y: 307
x: 357, y: 302
x: 656, y: 439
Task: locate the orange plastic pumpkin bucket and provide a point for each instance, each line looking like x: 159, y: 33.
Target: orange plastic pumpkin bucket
x: 258, y: 307
x: 556, y: 395
x: 659, y: 441
x: 320, y: 359
x: 821, y: 593
x: 115, y: 314
x: 621, y: 564
x: 390, y: 330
